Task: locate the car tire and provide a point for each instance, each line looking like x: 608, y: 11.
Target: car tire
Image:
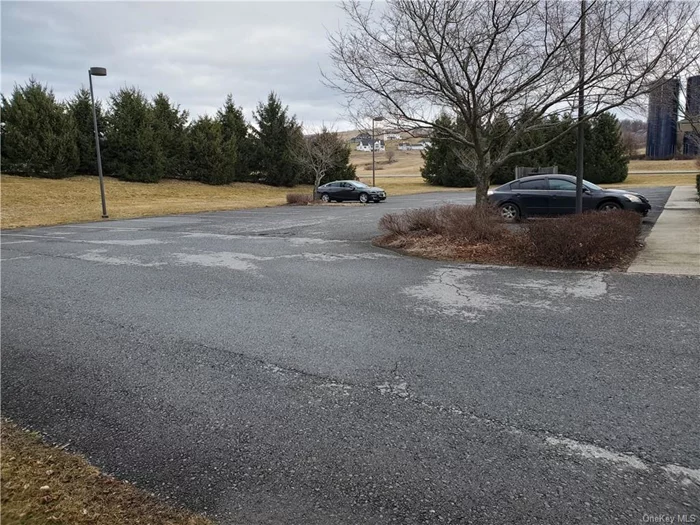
x: 609, y: 206
x: 363, y: 197
x: 510, y: 211
x: 325, y: 197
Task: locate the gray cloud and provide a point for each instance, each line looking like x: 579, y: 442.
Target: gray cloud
x: 196, y: 52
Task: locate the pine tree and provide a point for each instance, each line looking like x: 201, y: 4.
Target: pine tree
x: 275, y: 137
x: 80, y: 108
x: 132, y: 151
x: 235, y: 130
x: 606, y: 161
x: 169, y: 124
x: 212, y: 159
x: 442, y: 166
x: 39, y: 136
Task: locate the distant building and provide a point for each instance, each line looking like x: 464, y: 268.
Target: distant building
x: 691, y: 137
x: 360, y: 137
x: 419, y: 146
x: 366, y: 145
x: 662, y: 123
x: 392, y: 135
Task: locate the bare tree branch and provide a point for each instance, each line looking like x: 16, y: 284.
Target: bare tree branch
x: 517, y: 62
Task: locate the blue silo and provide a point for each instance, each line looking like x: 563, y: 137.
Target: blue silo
x: 663, y: 119
x: 691, y: 139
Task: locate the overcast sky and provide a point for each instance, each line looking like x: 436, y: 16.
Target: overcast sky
x: 195, y: 52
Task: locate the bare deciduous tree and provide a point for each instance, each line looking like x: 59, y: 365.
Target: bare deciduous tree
x: 500, y: 68
x: 390, y: 154
x: 319, y: 153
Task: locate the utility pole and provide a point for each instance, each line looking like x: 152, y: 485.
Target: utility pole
x: 580, y: 136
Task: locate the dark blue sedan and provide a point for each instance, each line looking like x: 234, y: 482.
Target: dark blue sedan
x: 543, y: 195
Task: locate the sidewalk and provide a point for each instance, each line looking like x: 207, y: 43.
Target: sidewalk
x: 673, y: 246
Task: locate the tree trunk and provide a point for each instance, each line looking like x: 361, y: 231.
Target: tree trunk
x: 482, y: 188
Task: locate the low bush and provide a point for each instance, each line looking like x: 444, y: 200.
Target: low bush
x: 591, y: 240
x: 472, y: 224
x: 595, y: 239
x: 299, y: 198
x: 465, y: 223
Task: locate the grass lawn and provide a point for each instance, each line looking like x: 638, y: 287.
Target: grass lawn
x: 410, y: 163
x: 655, y: 180
x: 42, y: 484
x: 28, y: 201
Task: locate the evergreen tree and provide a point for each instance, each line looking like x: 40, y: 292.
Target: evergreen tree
x: 442, y: 166
x: 342, y: 168
x: 275, y: 137
x: 212, y: 159
x: 39, y: 136
x: 562, y: 152
x: 235, y: 128
x: 132, y: 151
x: 80, y: 108
x: 605, y: 158
x: 170, y: 127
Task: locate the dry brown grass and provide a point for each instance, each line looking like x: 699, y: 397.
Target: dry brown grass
x: 30, y: 201
x: 405, y: 163
x: 35, y: 202
x: 43, y: 484
x: 410, y: 163
x: 662, y: 165
x: 406, y: 185
x: 655, y: 180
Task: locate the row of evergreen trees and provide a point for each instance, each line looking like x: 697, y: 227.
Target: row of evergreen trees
x: 147, y: 140
x: 604, y: 153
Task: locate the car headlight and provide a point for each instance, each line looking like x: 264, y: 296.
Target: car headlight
x: 632, y: 198
x: 489, y: 193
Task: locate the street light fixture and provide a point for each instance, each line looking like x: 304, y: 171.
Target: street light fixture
x: 98, y: 72
x: 374, y: 119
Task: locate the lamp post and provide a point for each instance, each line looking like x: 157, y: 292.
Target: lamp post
x: 374, y: 119
x: 98, y: 72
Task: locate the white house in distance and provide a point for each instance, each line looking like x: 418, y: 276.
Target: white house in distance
x: 366, y: 145
x: 392, y: 135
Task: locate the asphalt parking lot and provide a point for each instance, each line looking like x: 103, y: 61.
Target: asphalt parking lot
x: 272, y: 366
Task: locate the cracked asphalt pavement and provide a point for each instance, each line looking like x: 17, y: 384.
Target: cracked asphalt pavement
x: 272, y: 366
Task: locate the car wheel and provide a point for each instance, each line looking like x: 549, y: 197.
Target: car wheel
x: 325, y: 197
x: 363, y: 198
x: 609, y: 206
x: 510, y: 211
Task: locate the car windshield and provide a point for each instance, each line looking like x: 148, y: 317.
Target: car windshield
x: 360, y: 185
x: 591, y: 186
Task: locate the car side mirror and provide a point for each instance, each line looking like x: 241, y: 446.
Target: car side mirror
x: 586, y: 190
